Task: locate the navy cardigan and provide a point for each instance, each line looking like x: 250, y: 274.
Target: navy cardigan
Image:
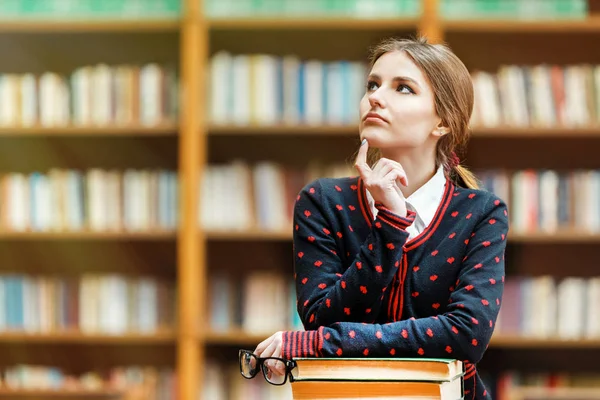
x: 365, y: 290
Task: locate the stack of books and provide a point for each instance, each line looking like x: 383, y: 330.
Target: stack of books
x: 378, y: 378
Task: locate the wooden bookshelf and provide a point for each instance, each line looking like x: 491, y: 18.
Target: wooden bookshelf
x: 199, y: 36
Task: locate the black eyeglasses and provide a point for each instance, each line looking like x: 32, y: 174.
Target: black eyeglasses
x: 250, y: 364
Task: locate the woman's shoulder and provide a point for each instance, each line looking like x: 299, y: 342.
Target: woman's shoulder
x: 328, y: 187
x: 480, y: 201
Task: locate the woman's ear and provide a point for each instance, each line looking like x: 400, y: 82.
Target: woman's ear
x: 441, y: 130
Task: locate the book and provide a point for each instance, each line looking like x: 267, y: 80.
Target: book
x: 376, y: 390
x: 379, y: 369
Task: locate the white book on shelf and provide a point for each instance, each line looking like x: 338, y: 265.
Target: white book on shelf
x: 313, y: 92
x: 18, y: 202
x: 265, y: 85
x: 151, y: 98
x: 9, y: 99
x: 219, y: 87
x: 571, y: 307
x: 333, y: 84
x: 101, y: 94
x: 81, y: 91
x: 243, y: 195
x: 548, y: 204
x: 291, y: 89
x: 95, y: 190
x: 592, y: 317
x: 241, y: 85
x: 147, y: 305
x: 29, y: 100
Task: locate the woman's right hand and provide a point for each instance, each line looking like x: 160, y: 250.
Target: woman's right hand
x: 383, y: 180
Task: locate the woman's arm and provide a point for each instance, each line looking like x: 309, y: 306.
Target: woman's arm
x: 326, y: 292
x: 462, y: 332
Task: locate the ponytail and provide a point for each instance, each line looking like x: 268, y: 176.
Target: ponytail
x: 465, y: 177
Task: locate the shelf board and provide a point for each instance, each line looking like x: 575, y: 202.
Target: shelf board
x: 88, y: 235
x: 528, y: 342
x: 92, y: 25
x: 238, y: 337
x: 76, y: 337
x: 562, y: 236
x: 253, y: 234
x: 568, y: 236
x: 312, y: 23
x: 589, y: 24
x: 558, y: 131
x: 352, y: 130
x: 161, y: 130
x: 59, y: 393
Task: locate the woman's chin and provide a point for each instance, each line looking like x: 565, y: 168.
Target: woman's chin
x: 372, y: 135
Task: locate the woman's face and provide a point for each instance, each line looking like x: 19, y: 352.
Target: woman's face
x: 397, y: 110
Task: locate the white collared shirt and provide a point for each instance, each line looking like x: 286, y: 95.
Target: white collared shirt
x: 424, y: 202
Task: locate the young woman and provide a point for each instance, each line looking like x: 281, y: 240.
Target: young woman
x: 407, y: 259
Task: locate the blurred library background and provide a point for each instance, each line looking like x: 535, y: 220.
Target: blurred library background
x: 151, y: 152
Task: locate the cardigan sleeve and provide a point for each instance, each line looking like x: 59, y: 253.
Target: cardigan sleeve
x: 462, y: 332
x: 327, y: 291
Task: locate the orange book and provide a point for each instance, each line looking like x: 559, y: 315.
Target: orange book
x: 381, y: 369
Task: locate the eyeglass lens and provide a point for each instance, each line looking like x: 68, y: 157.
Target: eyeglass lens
x: 248, y: 364
x: 274, y: 371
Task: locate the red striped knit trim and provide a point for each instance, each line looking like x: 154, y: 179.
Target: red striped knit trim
x: 387, y: 220
x: 319, y: 340
x: 364, y: 203
x: 401, y: 286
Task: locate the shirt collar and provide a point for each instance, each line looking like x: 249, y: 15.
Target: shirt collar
x: 426, y: 199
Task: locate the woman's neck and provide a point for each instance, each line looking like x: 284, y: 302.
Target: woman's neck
x: 419, y: 169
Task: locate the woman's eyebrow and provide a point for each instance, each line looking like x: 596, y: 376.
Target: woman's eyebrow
x: 397, y: 79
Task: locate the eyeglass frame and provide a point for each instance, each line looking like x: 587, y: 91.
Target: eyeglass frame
x: 289, y: 366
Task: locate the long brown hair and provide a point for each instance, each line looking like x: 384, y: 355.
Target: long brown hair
x: 453, y: 98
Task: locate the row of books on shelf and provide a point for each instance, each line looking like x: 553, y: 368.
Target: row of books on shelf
x: 27, y: 9
x: 539, y: 95
x: 63, y: 9
x: 132, y: 382
x: 264, y: 89
x: 566, y: 385
x: 222, y: 381
x: 548, y: 200
x: 520, y: 9
x: 548, y: 307
x: 95, y: 199
x: 90, y: 303
x: 240, y: 196
x: 92, y: 95
x: 260, y: 302
x: 527, y: 9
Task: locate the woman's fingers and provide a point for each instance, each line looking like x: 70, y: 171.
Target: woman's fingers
x: 361, y: 164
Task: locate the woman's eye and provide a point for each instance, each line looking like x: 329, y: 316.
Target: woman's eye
x: 371, y: 85
x: 405, y: 89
